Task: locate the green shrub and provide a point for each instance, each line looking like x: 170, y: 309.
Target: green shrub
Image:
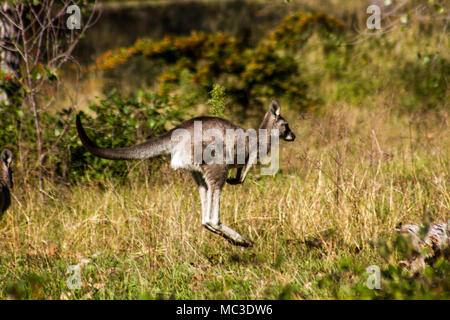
x: 217, y: 101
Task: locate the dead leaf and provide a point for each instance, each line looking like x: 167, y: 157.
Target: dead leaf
x: 51, y: 250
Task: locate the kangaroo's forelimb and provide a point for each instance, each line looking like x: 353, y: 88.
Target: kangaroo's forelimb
x: 252, y: 160
x: 237, y: 179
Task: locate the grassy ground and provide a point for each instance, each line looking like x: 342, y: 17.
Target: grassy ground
x: 347, y: 180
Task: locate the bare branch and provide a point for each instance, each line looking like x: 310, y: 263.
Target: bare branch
x: 40, y: 38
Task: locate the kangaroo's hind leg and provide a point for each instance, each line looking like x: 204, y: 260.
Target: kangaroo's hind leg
x: 225, y: 231
x: 214, y: 190
x: 203, y: 189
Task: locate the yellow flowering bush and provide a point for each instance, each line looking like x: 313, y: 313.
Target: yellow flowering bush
x: 248, y: 73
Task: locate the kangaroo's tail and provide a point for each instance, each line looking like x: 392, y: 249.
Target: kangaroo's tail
x: 154, y: 147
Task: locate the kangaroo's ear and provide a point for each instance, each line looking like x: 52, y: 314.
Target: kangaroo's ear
x: 274, y: 108
x: 7, y: 156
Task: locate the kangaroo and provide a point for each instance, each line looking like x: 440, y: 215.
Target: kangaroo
x: 210, y: 177
x: 5, y: 180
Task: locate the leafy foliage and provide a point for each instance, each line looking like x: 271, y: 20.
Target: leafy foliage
x: 217, y: 101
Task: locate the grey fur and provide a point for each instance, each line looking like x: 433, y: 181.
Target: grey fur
x: 5, y: 180
x: 209, y: 177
